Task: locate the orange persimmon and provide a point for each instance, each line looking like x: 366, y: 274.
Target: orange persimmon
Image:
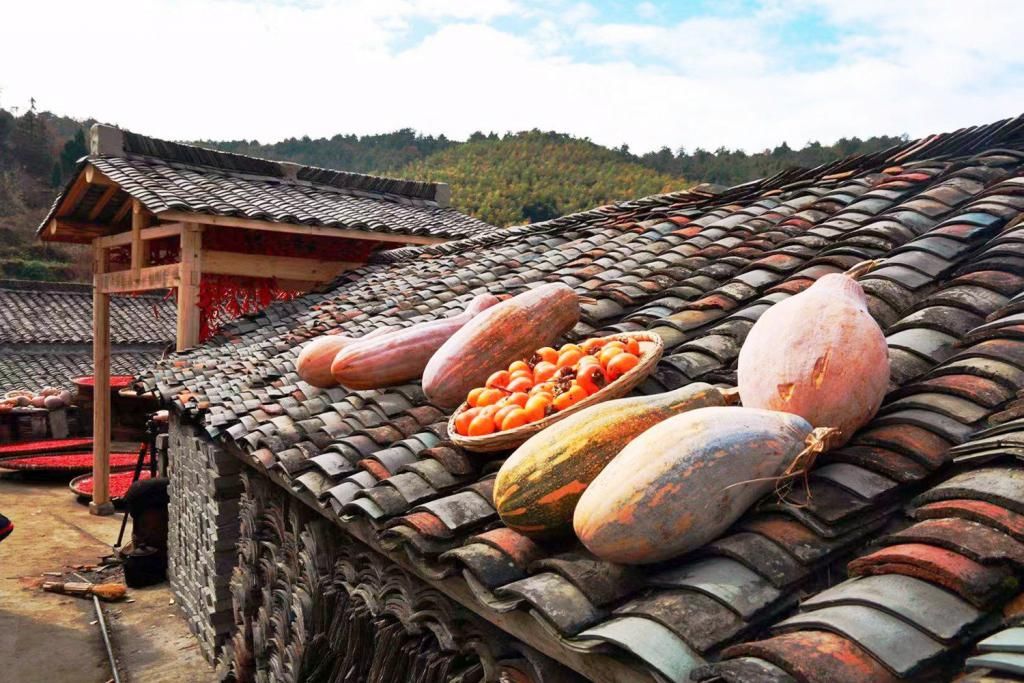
x: 520, y: 384
x: 569, y: 358
x: 536, y: 407
x: 489, y: 397
x: 519, y: 398
x: 516, y: 418
x: 570, y: 398
x: 543, y: 371
x: 546, y: 353
x: 474, y: 396
x: 621, y: 364
x: 592, y: 378
x: 519, y: 365
x: 463, y: 420
x: 498, y: 379
x: 609, y: 352
x: 481, y: 425
x: 503, y: 412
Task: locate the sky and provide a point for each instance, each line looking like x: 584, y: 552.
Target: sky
x: 729, y: 73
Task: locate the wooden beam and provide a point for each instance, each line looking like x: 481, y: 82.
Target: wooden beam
x: 74, y: 194
x: 154, y: 233
x: 67, y: 225
x: 282, y: 267
x: 268, y: 226
x: 102, y: 202
x: 139, y: 221
x: 154, y: 277
x: 94, y: 176
x: 101, y: 504
x: 122, y: 212
x: 188, y: 290
x: 296, y: 285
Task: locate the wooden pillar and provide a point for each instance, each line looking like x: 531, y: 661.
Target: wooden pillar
x: 139, y: 247
x: 101, y: 504
x: 188, y: 291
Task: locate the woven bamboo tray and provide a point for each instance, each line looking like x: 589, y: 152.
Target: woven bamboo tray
x: 651, y: 347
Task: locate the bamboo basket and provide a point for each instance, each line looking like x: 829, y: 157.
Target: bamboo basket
x: 651, y: 348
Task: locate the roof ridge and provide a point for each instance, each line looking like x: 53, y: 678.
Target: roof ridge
x: 111, y: 141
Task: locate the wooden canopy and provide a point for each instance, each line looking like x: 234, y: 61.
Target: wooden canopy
x: 116, y: 219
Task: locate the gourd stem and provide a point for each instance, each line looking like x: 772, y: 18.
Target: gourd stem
x: 863, y: 268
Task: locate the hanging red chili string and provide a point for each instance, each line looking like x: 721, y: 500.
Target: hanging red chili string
x: 223, y: 298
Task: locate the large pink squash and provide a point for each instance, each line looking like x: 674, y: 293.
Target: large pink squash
x: 819, y: 355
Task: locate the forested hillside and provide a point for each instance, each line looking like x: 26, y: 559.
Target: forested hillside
x: 503, y: 179
x: 362, y: 154
x: 533, y: 176
x: 731, y: 167
x: 37, y: 153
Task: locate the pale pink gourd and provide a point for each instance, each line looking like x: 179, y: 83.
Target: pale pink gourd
x: 314, y: 362
x: 819, y: 355
x: 400, y: 356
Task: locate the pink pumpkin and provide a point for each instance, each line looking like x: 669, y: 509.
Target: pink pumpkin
x: 819, y: 355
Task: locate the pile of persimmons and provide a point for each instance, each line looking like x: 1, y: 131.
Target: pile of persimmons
x: 549, y: 381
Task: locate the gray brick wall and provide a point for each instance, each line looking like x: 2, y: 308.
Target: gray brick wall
x: 205, y: 485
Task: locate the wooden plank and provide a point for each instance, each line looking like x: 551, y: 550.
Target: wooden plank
x: 139, y: 221
x: 102, y: 202
x: 188, y: 289
x: 154, y: 277
x: 154, y: 233
x: 282, y: 267
x: 101, y: 504
x: 268, y: 226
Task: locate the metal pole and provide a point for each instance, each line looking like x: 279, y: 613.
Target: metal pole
x: 106, y: 638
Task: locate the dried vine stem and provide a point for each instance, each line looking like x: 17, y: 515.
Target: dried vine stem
x: 816, y: 443
x: 863, y: 268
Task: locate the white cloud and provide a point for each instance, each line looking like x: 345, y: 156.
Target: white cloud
x: 268, y: 70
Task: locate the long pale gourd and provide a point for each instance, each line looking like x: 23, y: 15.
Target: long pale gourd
x: 818, y: 354
x: 400, y: 356
x: 682, y: 482
x: 314, y: 362
x: 539, y: 484
x: 510, y: 331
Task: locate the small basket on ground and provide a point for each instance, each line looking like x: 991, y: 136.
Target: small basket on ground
x: 651, y: 347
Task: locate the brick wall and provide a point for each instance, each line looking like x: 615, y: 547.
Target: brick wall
x: 205, y: 486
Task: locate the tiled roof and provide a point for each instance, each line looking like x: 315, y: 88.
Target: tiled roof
x: 945, y: 213
x: 167, y: 176
x: 57, y: 365
x: 61, y: 313
x: 46, y: 333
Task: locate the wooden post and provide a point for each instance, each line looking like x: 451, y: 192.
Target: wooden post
x: 188, y: 290
x: 101, y: 503
x: 138, y: 223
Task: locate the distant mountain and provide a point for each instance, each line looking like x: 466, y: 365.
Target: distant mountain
x: 532, y: 176
x: 361, y: 154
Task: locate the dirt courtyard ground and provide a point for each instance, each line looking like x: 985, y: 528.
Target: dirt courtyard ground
x: 49, y: 638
